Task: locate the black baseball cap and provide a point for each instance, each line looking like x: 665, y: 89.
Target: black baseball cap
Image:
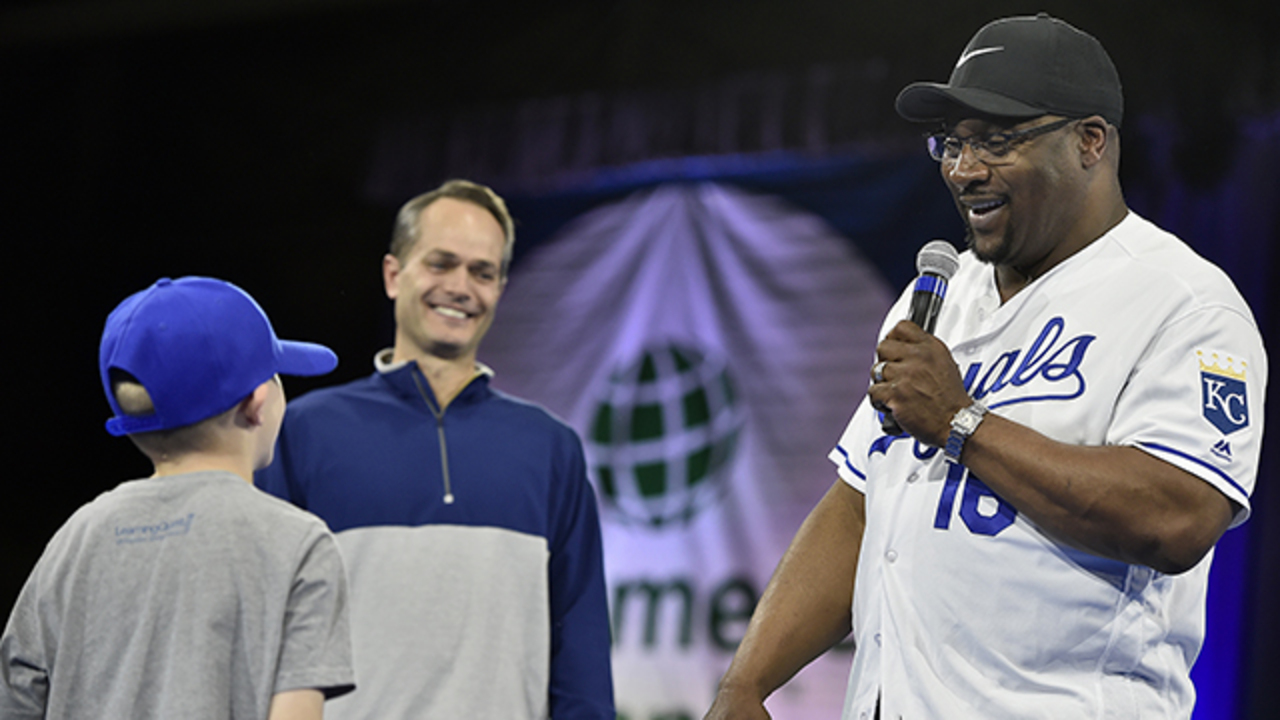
x: 1020, y: 68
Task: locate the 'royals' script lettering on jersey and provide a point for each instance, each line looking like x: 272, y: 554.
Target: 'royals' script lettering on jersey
x: 1051, y: 359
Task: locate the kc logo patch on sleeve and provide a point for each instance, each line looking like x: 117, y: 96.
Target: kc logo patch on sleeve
x: 1222, y: 391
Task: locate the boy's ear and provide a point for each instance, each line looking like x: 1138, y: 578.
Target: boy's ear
x: 252, y: 406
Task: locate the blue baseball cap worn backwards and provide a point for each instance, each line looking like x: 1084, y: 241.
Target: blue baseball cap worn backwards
x: 199, y: 346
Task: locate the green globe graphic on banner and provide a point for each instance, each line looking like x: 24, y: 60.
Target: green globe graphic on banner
x: 663, y: 431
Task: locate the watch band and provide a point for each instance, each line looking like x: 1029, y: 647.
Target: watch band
x: 963, y: 424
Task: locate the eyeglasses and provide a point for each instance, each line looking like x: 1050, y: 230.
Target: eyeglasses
x: 991, y: 149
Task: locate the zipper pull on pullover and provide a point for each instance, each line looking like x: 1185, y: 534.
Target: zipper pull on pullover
x: 438, y: 413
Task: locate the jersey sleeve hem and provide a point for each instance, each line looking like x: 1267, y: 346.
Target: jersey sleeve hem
x: 1203, y: 470
x: 845, y: 468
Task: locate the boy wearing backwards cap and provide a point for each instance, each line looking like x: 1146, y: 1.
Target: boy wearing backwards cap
x: 189, y: 594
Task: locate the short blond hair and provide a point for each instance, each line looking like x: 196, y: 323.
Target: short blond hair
x: 135, y: 401
x: 405, y: 233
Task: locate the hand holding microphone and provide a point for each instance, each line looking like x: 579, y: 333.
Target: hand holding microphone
x: 936, y: 263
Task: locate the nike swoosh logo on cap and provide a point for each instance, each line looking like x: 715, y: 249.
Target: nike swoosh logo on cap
x: 975, y: 53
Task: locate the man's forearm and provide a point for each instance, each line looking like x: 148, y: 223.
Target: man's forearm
x: 805, y: 609
x: 1113, y: 501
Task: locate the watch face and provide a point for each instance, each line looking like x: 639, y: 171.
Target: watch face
x: 966, y: 421
x: 962, y: 426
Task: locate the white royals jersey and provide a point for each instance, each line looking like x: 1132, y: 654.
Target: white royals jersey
x: 963, y: 608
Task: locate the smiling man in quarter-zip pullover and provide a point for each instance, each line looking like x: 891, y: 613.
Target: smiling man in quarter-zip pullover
x: 468, y: 525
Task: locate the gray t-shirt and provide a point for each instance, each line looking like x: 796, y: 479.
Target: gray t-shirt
x: 187, y: 596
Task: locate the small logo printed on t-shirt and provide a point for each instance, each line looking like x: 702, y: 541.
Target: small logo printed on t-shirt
x: 1222, y: 391
x: 154, y: 531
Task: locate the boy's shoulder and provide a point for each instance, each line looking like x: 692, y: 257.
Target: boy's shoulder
x: 158, y: 507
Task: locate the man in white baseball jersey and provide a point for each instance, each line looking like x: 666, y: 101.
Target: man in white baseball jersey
x: 1079, y: 432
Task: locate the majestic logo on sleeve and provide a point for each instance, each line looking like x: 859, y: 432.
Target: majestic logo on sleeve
x: 1222, y: 391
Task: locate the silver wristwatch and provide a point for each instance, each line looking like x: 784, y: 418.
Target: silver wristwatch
x: 963, y: 424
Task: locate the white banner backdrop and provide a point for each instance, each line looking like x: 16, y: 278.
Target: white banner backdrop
x: 708, y: 345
